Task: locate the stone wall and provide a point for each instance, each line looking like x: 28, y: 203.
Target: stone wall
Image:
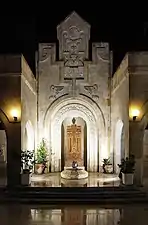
x: 29, y: 107
x: 10, y: 99
x: 138, y: 69
x: 129, y: 92
x: 120, y: 111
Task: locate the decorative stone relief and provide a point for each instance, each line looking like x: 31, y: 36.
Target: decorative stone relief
x: 73, y: 72
x: 73, y: 46
x: 73, y: 52
x: 55, y: 90
x: 73, y: 34
x: 46, y: 50
x: 100, y: 52
x: 92, y: 90
x: 75, y: 107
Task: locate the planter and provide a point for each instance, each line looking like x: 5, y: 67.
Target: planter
x: 127, y: 178
x: 109, y: 168
x: 39, y: 168
x: 26, y: 179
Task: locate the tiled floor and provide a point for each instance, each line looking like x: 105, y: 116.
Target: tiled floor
x: 73, y: 215
x: 93, y: 180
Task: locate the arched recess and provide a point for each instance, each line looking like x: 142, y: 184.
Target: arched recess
x: 119, y: 150
x: 96, y: 134
x: 29, y: 136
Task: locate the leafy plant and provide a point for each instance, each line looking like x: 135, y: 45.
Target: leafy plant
x: 42, y: 152
x: 27, y: 159
x: 106, y: 161
x: 127, y: 165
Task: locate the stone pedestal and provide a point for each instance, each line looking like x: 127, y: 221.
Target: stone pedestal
x: 70, y: 173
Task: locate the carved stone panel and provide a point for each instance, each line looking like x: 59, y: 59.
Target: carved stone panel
x: 100, y: 52
x: 73, y: 143
x: 47, y: 50
x: 73, y: 35
x: 76, y: 72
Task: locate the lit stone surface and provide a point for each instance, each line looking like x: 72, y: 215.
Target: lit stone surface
x: 78, y: 215
x: 93, y: 180
x: 74, y: 86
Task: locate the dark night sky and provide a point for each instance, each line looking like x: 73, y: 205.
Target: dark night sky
x: 123, y: 28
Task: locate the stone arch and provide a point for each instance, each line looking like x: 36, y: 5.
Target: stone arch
x: 29, y: 141
x: 118, y: 144
x: 80, y: 108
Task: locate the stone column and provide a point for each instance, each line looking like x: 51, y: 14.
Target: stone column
x: 13, y: 154
x: 136, y: 148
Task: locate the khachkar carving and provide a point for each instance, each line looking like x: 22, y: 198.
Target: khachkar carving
x: 47, y: 50
x: 92, y: 90
x: 74, y: 142
x: 55, y: 90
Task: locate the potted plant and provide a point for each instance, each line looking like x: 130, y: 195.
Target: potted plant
x: 127, y: 168
x: 41, y: 157
x: 107, y: 166
x: 27, y: 159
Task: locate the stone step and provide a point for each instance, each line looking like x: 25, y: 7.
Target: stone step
x: 27, y: 194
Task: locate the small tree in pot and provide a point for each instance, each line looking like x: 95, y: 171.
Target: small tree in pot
x: 27, y: 160
x: 41, y: 157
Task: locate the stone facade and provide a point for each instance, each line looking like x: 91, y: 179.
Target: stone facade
x: 28, y: 107
x: 71, y: 85
x: 74, y: 86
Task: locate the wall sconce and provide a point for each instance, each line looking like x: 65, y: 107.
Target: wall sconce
x: 14, y: 114
x: 135, y: 113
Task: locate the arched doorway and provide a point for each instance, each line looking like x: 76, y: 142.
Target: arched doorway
x: 96, y: 130
x: 29, y: 136
x: 73, y: 142
x: 119, y: 144
x: 145, y: 153
x: 92, y: 137
x: 3, y: 155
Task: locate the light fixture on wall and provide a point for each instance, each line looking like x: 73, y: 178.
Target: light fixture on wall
x: 14, y: 113
x: 135, y: 114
